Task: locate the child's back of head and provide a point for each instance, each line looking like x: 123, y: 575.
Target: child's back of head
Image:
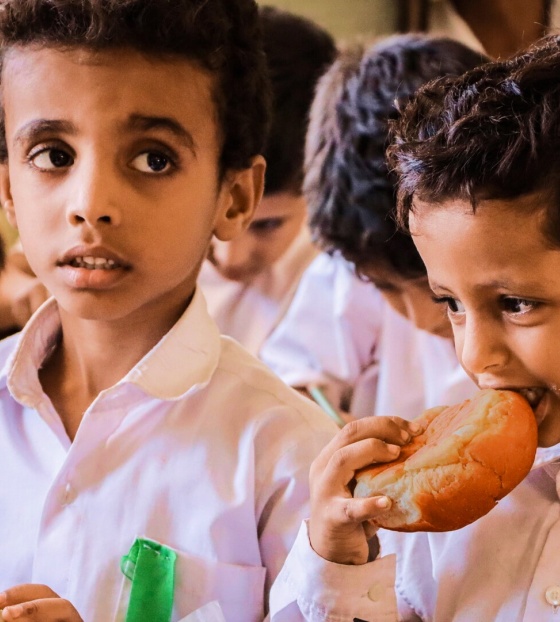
x: 350, y: 191
x: 351, y: 200
x: 298, y: 52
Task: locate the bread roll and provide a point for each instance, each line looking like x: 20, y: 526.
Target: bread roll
x: 469, y: 456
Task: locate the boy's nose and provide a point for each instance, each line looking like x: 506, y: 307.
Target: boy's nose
x: 482, y: 347
x: 94, y: 200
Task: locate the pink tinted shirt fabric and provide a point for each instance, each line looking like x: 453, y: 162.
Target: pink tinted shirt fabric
x: 498, y: 569
x: 249, y: 312
x: 339, y: 332
x: 199, y: 447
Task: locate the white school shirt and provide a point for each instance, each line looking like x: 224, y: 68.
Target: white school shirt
x: 199, y: 447
x: 500, y: 568
x: 340, y: 332
x: 249, y: 312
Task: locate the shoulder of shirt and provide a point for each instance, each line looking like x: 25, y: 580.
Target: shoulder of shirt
x: 257, y: 378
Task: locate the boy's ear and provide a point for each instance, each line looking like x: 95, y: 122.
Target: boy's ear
x: 6, y: 194
x: 240, y: 195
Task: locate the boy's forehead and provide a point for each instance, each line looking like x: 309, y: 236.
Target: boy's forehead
x: 501, y: 241
x: 426, y: 216
x: 435, y: 217
x: 171, y: 86
x: 116, y: 58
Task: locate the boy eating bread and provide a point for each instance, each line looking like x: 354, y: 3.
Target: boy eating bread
x: 477, y: 164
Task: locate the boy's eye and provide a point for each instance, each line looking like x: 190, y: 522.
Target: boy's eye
x: 152, y: 162
x: 453, y: 305
x: 266, y: 225
x: 49, y: 159
x: 518, y: 306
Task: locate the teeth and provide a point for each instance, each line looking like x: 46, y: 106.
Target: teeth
x: 93, y: 263
x: 533, y: 395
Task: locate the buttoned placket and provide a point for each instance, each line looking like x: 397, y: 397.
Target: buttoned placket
x: 543, y: 602
x: 58, y: 555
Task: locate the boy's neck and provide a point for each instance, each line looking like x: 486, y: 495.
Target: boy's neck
x: 93, y: 356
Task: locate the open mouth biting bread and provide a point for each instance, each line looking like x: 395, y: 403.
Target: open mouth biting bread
x: 469, y: 456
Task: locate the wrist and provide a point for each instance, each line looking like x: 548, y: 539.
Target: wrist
x: 340, y: 550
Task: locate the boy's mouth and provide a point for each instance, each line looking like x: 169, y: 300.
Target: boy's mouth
x: 93, y: 258
x: 533, y: 395
x: 94, y: 263
x: 87, y: 267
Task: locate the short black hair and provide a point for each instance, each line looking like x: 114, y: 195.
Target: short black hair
x: 350, y: 192
x: 493, y: 133
x: 222, y: 36
x: 298, y: 52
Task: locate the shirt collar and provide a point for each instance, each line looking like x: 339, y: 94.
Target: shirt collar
x: 547, y: 455
x: 185, y: 357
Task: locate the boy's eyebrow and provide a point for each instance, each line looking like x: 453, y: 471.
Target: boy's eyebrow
x: 136, y: 122
x: 145, y: 123
x: 41, y: 126
x: 503, y: 284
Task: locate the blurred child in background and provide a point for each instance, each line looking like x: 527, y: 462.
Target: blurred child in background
x: 249, y: 281
x: 363, y: 327
x: 21, y: 292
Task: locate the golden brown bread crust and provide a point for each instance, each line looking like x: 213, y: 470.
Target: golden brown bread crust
x: 469, y: 456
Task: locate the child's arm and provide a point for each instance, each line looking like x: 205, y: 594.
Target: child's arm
x: 36, y: 603
x: 330, y: 579
x: 338, y: 528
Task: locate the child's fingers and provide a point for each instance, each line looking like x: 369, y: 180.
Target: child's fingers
x: 341, y: 466
x: 25, y: 592
x: 391, y: 430
x: 358, y: 511
x: 340, y: 529
x: 42, y: 610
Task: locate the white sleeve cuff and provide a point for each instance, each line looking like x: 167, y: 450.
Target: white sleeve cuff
x: 335, y: 592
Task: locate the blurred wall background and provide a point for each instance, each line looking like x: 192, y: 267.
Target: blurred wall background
x: 368, y: 19
x: 500, y: 27
x: 346, y: 18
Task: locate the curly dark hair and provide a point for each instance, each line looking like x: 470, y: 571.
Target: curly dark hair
x: 222, y: 36
x: 350, y: 191
x: 493, y: 133
x: 298, y: 52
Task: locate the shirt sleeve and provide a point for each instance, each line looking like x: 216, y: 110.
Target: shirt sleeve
x: 331, y: 329
x: 312, y: 589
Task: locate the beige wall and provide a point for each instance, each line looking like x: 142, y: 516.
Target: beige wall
x: 346, y: 18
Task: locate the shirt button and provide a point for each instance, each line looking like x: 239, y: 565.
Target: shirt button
x: 552, y: 595
x: 375, y: 592
x: 68, y: 496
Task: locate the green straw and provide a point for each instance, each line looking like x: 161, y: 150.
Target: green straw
x: 321, y: 399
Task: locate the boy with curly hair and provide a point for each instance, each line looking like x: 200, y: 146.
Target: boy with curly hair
x: 476, y: 159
